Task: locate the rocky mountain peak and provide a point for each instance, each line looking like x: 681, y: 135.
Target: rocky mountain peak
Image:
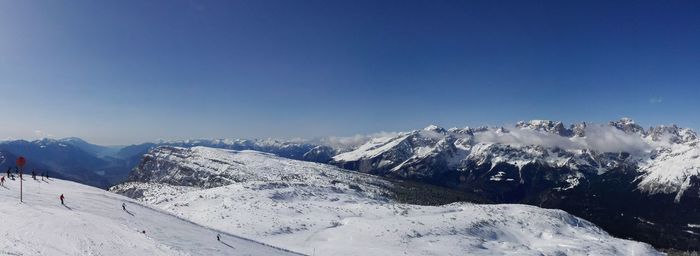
x: 579, y: 130
x: 672, y: 134
x: 627, y: 125
x: 549, y: 126
x: 434, y: 128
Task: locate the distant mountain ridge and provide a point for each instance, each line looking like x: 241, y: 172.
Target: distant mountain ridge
x: 633, y: 181
x: 61, y: 158
x: 77, y: 155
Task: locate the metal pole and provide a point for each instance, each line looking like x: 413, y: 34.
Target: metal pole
x: 21, y: 171
x: 21, y: 161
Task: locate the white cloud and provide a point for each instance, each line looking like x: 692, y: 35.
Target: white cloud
x: 609, y: 139
x: 600, y: 138
x: 39, y: 134
x: 522, y: 137
x: 352, y: 141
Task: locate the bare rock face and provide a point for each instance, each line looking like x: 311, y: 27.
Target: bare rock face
x: 172, y: 165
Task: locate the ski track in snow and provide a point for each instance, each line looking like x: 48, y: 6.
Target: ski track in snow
x: 92, y: 222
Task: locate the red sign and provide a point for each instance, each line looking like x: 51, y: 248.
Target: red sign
x: 21, y: 161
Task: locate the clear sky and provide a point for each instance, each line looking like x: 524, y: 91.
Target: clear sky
x: 120, y: 72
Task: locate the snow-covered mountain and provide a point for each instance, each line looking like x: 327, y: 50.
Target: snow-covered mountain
x: 324, y: 210
x: 645, y: 175
x: 293, y: 149
x: 92, y: 222
x: 665, y: 157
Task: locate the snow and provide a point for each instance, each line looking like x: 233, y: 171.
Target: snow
x: 499, y: 177
x: 432, y: 128
x: 323, y: 210
x: 372, y: 148
x: 350, y: 227
x: 93, y: 223
x: 671, y: 170
x: 572, y: 180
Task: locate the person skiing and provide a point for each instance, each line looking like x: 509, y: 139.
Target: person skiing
x: 218, y: 237
x: 124, y: 206
x: 34, y: 175
x: 2, y: 181
x: 62, y: 197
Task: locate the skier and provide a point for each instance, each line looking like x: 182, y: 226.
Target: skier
x: 124, y: 206
x: 218, y: 237
x: 2, y: 181
x: 62, y: 197
x: 9, y: 174
x: 34, y: 175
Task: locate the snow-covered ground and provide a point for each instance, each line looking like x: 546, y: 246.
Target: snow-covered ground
x: 92, y: 222
x: 322, y: 210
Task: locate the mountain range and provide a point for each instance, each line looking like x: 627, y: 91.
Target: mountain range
x: 634, y: 182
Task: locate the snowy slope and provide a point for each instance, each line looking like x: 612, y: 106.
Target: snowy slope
x: 671, y: 170
x: 323, y: 210
x: 93, y: 223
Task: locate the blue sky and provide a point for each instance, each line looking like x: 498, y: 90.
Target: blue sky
x: 120, y: 72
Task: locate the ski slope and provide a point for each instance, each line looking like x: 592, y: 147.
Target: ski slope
x: 92, y: 222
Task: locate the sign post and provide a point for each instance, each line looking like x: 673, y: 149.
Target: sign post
x: 20, y: 163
